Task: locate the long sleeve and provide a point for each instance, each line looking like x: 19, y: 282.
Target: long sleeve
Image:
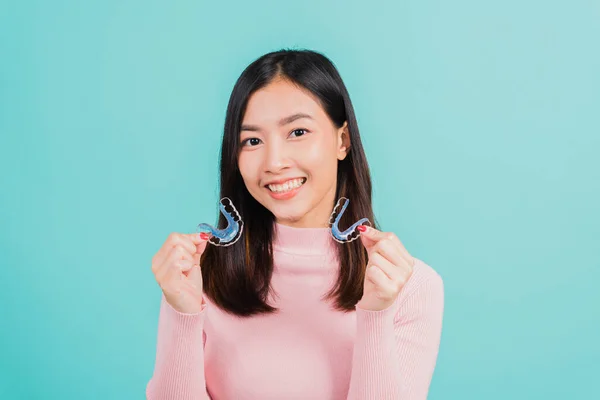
x: 179, y: 366
x: 396, y: 349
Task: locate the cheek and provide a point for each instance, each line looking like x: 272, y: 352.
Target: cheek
x: 247, y: 168
x: 321, y: 159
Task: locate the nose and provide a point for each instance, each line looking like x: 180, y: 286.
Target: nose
x: 276, y: 159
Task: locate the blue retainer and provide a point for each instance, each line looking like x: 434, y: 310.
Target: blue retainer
x: 349, y: 234
x: 233, y: 231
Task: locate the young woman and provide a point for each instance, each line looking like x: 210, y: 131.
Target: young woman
x: 286, y: 312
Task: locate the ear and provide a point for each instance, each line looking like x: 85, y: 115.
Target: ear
x: 343, y: 141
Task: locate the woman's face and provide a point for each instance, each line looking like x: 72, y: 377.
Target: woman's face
x: 289, y: 154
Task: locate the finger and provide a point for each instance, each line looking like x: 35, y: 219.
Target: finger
x: 176, y: 255
x: 195, y: 275
x: 398, y: 274
x: 399, y: 246
x: 199, y: 251
x: 383, y: 285
x: 198, y: 238
x: 390, y: 270
x: 180, y: 252
x: 389, y: 250
x: 367, y: 242
x: 168, y: 251
x: 371, y: 236
x: 184, y: 266
x: 201, y: 247
x: 174, y: 271
x: 186, y: 241
x: 174, y: 239
x: 374, y: 236
x: 405, y: 254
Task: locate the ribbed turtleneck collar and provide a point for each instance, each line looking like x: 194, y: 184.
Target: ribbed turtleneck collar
x: 304, y: 241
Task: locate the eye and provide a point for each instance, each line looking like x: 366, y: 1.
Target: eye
x: 298, y: 132
x: 251, y: 142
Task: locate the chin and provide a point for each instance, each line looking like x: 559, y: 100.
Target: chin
x: 289, y: 211
x: 288, y: 218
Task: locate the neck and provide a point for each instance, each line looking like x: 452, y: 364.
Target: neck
x: 303, y: 241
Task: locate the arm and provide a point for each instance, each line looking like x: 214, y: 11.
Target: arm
x: 179, y: 367
x: 396, y: 348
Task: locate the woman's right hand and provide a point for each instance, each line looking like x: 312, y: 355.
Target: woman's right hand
x: 176, y: 268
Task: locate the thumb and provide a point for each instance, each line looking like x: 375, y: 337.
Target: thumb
x: 199, y: 251
x: 370, y: 236
x: 200, y: 247
x: 368, y: 243
x: 195, y: 275
x: 198, y: 238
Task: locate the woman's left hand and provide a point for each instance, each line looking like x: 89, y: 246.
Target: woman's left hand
x: 389, y: 268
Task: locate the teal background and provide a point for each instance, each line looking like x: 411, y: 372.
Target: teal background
x: 480, y: 120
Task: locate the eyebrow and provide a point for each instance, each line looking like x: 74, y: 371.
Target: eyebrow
x: 282, y: 121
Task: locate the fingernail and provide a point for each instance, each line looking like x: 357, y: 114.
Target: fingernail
x: 361, y: 228
x: 204, y: 236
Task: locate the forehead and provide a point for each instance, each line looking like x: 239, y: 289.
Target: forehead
x: 280, y: 99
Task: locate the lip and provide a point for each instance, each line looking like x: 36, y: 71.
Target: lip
x: 286, y: 195
x: 281, y: 181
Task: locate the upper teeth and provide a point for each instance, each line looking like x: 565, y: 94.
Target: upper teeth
x: 289, y: 185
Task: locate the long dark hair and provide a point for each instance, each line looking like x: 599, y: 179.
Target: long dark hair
x: 237, y: 278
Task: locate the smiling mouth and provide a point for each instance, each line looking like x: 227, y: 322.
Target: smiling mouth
x: 286, y: 186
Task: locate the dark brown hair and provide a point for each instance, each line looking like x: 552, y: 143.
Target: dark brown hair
x: 237, y: 278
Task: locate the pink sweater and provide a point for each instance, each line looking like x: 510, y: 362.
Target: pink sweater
x: 307, y: 350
